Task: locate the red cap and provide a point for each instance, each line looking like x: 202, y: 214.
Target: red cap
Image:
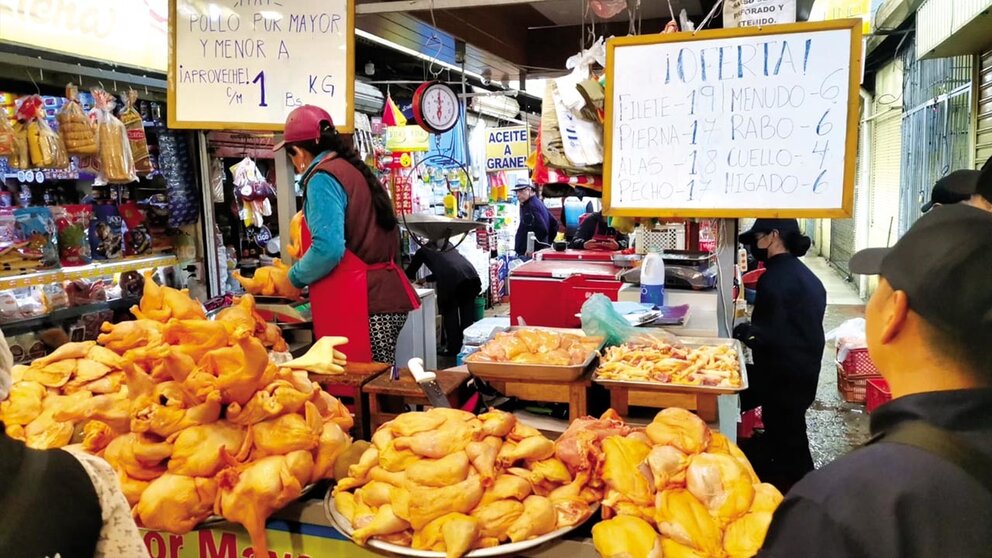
x: 303, y: 124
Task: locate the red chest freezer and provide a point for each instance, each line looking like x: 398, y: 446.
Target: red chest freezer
x: 551, y: 293
x: 597, y: 256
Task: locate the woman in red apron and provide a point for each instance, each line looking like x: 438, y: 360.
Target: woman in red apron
x: 349, y: 239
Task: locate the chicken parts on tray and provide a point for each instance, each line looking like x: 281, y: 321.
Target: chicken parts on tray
x: 677, y: 489
x: 538, y: 346
x: 191, y: 414
x: 446, y: 480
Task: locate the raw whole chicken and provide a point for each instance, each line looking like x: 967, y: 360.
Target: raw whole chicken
x: 626, y: 537
x: 679, y: 428
x: 580, y: 446
x: 161, y: 303
x: 175, y: 503
x: 270, y: 281
x: 196, y: 450
x: 721, y: 484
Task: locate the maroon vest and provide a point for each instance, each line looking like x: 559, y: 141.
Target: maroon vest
x: 367, y: 240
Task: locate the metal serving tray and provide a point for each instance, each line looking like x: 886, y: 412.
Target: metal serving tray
x: 683, y: 388
x: 533, y: 372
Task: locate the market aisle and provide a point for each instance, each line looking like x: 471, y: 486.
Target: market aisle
x: 835, y: 427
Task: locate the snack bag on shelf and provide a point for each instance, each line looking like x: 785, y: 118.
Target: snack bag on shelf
x: 75, y: 127
x: 136, y: 134
x: 54, y: 297
x: 19, y: 158
x: 106, y: 233
x: 116, y: 160
x: 6, y: 135
x: 29, y: 303
x: 36, y: 240
x: 137, y: 240
x: 45, y: 147
x: 73, y: 222
x: 8, y: 306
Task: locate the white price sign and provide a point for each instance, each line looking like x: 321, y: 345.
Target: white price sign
x: 245, y: 64
x: 734, y: 122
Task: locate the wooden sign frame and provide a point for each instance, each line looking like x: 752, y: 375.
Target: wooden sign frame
x: 851, y: 139
x: 346, y: 127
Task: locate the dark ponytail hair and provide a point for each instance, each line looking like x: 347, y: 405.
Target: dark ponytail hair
x: 797, y: 243
x: 331, y: 140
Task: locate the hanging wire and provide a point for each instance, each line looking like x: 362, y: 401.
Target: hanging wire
x: 434, y: 39
x: 708, y: 17
x: 33, y: 82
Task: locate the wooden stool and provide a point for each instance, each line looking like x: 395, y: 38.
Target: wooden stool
x: 388, y: 397
x: 356, y: 376
x: 622, y: 398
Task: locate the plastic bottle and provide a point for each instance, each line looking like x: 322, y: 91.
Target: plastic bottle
x: 742, y: 258
x: 653, y: 278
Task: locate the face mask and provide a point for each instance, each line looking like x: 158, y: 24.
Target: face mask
x: 760, y: 254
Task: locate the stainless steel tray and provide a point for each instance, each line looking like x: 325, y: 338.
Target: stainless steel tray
x: 533, y: 372
x: 683, y: 388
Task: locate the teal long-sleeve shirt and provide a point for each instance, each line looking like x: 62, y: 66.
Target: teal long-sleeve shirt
x: 324, y: 210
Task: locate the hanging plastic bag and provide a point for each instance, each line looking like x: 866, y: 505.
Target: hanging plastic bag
x: 217, y: 179
x: 582, y: 138
x: 75, y: 127
x: 136, y: 134
x: 116, y: 162
x: 45, y: 147
x: 607, y: 8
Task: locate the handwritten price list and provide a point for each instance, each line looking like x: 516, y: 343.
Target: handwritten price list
x: 248, y: 63
x: 754, y: 122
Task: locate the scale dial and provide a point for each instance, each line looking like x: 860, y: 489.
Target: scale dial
x: 436, y: 107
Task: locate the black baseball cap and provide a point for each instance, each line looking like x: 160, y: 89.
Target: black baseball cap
x: 944, y: 265
x: 984, y: 186
x: 956, y: 187
x: 768, y: 225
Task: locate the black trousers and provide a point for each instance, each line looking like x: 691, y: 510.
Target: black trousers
x: 780, y: 457
x: 457, y: 307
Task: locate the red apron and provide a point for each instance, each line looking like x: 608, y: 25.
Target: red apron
x: 339, y: 302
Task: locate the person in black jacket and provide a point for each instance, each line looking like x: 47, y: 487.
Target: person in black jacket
x: 922, y: 487
x: 594, y: 226
x: 534, y: 218
x: 786, y: 340
x: 458, y: 285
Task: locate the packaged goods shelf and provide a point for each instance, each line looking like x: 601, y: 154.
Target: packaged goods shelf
x: 91, y: 271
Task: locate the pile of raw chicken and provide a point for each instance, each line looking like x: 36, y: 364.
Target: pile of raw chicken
x: 673, y: 489
x: 191, y: 413
x: 445, y: 480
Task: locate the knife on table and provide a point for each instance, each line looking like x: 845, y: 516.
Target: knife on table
x: 428, y: 383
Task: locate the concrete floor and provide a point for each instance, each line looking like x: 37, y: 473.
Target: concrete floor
x: 835, y: 427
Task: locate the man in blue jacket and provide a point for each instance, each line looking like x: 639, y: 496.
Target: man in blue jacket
x: 534, y: 218
x: 922, y: 487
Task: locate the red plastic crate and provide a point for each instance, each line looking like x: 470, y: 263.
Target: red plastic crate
x: 877, y: 393
x: 750, y: 421
x: 852, y: 390
x: 858, y: 364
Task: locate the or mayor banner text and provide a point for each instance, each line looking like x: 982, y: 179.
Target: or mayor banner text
x: 507, y: 148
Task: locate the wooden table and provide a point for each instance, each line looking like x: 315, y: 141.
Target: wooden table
x: 623, y: 397
x: 356, y: 376
x: 388, y: 398
x: 576, y: 393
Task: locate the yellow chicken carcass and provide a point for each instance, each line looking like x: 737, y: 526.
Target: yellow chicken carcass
x: 539, y: 518
x: 54, y: 427
x: 285, y: 434
x: 439, y: 473
x: 54, y: 374
x: 375, y: 494
x: 428, y: 503
x: 332, y: 444
x: 497, y: 423
x: 721, y: 484
x: 236, y: 372
x: 109, y: 384
x: 166, y: 420
x: 270, y: 281
x: 454, y: 534
x: 452, y: 436
x: 679, y: 428
x: 744, y: 537
x: 667, y: 466
x: 196, y: 450
x: 626, y: 537
x: 97, y: 436
x: 571, y: 511
x: 176, y: 503
x: 295, y: 246
x: 621, y: 469
x: 720, y: 444
x: 766, y: 498
x: 683, y: 518
x: 409, y: 424
x: 249, y: 493
x: 495, y: 518
x: 196, y: 338
x: 531, y: 449
x: 68, y: 351
x: 106, y: 357
x: 275, y: 399
x: 23, y: 404
x: 132, y: 488
x: 507, y: 486
x: 139, y: 456
x: 160, y: 303
x: 333, y: 410
x: 125, y: 336
x: 396, y: 460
